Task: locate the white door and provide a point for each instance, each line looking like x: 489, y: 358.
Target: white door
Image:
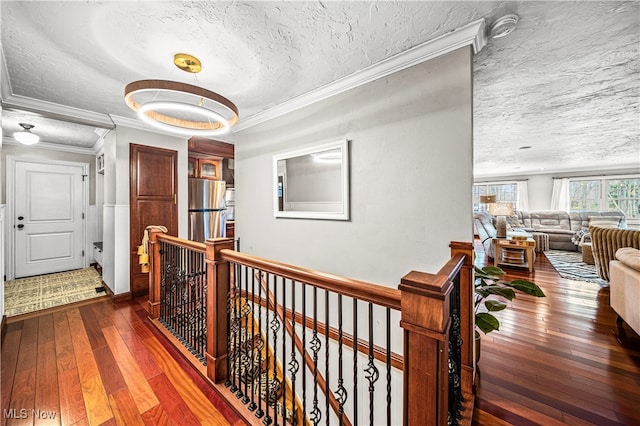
x: 48, y: 222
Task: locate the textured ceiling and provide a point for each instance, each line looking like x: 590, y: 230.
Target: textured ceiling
x: 566, y: 82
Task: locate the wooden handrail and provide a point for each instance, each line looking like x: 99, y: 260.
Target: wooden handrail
x: 191, y: 245
x: 361, y: 290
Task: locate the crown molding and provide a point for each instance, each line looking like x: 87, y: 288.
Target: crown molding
x: 5, y: 84
x: 57, y: 111
x: 51, y: 146
x: 473, y: 34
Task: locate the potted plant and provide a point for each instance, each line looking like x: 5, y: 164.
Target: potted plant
x: 487, y: 283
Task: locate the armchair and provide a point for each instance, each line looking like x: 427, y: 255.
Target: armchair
x: 606, y: 241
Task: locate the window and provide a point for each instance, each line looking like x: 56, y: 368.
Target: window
x: 618, y: 193
x: 505, y: 192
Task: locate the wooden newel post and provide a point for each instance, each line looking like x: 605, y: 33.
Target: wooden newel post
x: 467, y: 313
x: 425, y: 318
x: 217, y: 288
x: 154, y: 273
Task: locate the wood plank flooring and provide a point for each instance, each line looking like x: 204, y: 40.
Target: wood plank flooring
x: 556, y: 359
x: 101, y: 364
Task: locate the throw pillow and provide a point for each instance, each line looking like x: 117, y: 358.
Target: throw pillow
x: 578, y: 236
x: 605, y: 221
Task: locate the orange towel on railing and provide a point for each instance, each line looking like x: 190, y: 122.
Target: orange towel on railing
x: 143, y: 249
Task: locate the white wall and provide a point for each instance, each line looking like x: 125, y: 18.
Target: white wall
x: 115, y: 237
x: 411, y: 169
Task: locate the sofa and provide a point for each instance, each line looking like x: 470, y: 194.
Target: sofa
x: 624, y: 287
x: 560, y: 226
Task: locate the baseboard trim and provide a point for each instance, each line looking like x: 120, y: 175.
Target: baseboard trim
x: 122, y: 297
x: 3, y: 327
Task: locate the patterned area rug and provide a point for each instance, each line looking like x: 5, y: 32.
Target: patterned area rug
x: 569, y: 265
x: 25, y: 295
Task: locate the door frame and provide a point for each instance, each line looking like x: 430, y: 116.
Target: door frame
x: 10, y: 200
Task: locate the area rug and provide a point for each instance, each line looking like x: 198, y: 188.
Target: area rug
x: 24, y: 295
x: 570, y: 266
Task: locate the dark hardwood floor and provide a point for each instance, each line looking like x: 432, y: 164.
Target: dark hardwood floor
x: 556, y: 359
x: 101, y: 364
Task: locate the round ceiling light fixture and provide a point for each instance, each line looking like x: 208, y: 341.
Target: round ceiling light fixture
x: 503, y: 26
x: 25, y: 136
x: 181, y: 108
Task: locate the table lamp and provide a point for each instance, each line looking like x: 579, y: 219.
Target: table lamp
x: 487, y: 199
x: 500, y: 211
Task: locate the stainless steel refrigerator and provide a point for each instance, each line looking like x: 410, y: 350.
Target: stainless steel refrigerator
x: 207, y: 211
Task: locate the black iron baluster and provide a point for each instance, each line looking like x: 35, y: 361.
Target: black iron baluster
x: 275, y: 327
x: 388, y: 367
x: 233, y: 298
x: 341, y: 391
x: 304, y: 351
x: 371, y: 370
x: 326, y: 355
x: 267, y: 417
x: 227, y: 382
x: 252, y: 406
x: 284, y: 352
x: 245, y: 366
x: 316, y: 414
x: 455, y: 343
x: 355, y: 362
x: 259, y: 411
x: 294, y: 366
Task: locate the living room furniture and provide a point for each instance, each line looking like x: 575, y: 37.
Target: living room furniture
x: 500, y: 211
x: 587, y: 254
x: 542, y: 241
x: 606, y: 241
x: 625, y: 286
x: 514, y: 252
x: 560, y: 225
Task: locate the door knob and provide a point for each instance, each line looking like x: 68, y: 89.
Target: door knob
x: 20, y: 217
x: 20, y: 226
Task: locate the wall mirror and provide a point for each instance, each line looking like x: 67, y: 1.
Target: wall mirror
x: 313, y: 182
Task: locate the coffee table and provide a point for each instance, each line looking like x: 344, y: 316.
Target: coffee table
x: 514, y: 252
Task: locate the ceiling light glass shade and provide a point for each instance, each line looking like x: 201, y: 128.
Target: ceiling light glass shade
x: 181, y: 108
x: 150, y: 113
x: 26, y: 138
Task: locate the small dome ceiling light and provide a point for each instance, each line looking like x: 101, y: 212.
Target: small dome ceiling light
x: 503, y: 26
x: 25, y: 136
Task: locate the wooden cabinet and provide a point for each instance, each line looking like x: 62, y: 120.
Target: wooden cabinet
x: 206, y: 168
x: 192, y: 166
x: 209, y: 169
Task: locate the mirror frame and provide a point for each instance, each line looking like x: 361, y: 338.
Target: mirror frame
x: 343, y: 145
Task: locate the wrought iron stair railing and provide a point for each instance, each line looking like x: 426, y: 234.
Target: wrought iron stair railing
x: 295, y: 346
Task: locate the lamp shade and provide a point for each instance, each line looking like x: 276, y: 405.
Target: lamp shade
x: 487, y: 199
x: 501, y: 209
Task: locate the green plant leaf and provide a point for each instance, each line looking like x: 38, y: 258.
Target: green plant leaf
x: 494, y: 305
x: 498, y: 290
x: 526, y: 287
x: 492, y: 272
x: 487, y: 322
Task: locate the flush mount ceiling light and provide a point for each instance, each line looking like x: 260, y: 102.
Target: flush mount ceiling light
x: 179, y: 107
x: 25, y: 136
x: 503, y: 26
